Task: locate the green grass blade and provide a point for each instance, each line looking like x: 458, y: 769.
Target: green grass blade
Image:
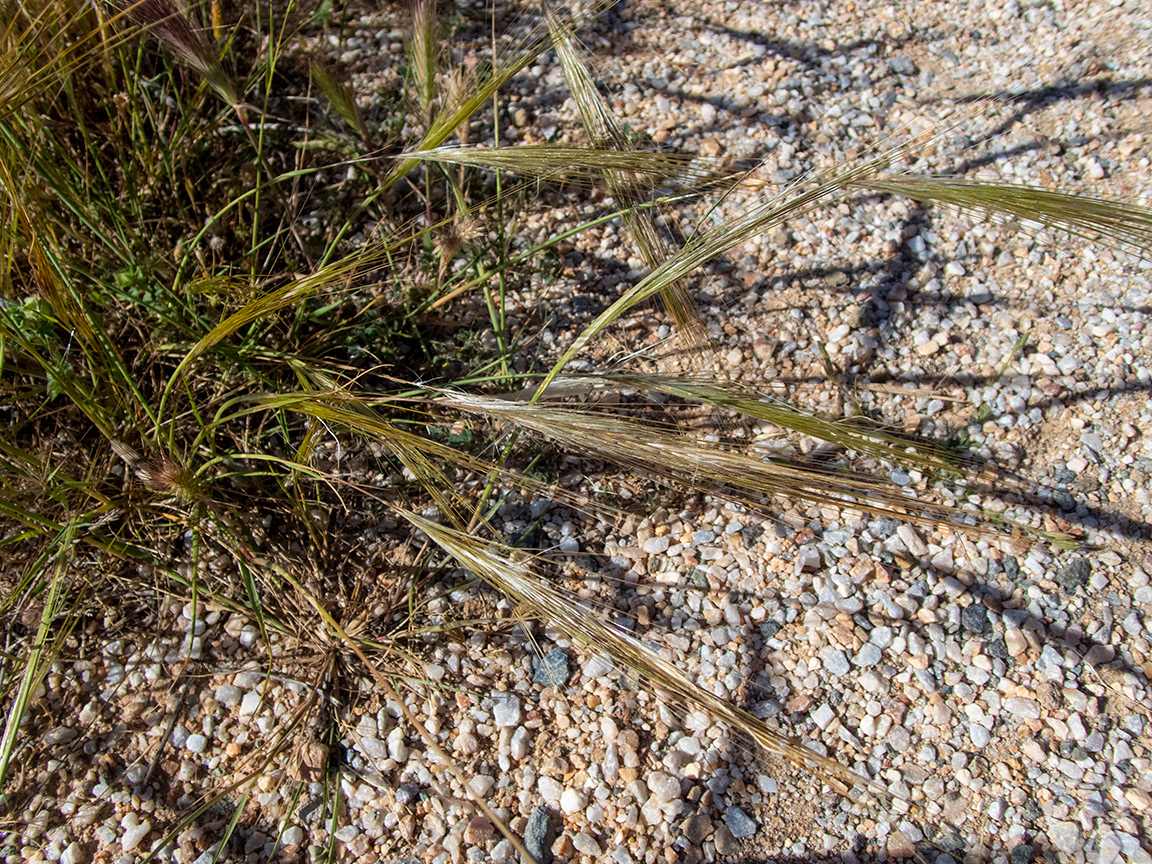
x: 48, y: 641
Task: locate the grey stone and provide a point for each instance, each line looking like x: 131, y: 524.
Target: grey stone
x: 901, y: 65
x: 996, y: 648
x: 1092, y: 441
x: 1074, y: 574
x: 869, y: 655
x: 835, y: 662
x: 769, y: 629
x: 586, y: 845
x: 656, y: 545
x: 1011, y: 566
x: 697, y: 828
x: 538, y: 836
x: 406, y: 793
x: 739, y: 823
x: 881, y: 636
x: 1029, y: 709
x: 725, y: 843
x: 552, y: 669
x: 974, y: 619
x: 1116, y: 847
x: 1065, y: 836
x: 1015, y: 618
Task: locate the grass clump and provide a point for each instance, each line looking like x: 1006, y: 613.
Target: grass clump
x: 228, y: 353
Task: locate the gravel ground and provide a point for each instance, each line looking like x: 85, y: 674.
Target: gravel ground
x: 1003, y: 687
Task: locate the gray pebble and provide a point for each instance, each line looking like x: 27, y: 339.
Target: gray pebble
x: 901, y: 65
x: 835, y: 662
x: 1011, y: 566
x: 979, y: 735
x: 196, y: 743
x: 739, y: 823
x: 974, y: 619
x: 1065, y: 836
x: 1092, y: 441
x: 1074, y: 574
x: 538, y: 836
x: 586, y: 845
x: 1029, y: 709
x: 1015, y: 618
x: 769, y: 629
x: 869, y: 655
x: 881, y: 636
x: 552, y: 669
x: 1050, y: 657
x: 406, y: 793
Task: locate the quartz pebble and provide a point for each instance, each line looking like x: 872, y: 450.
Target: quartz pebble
x: 134, y: 835
x: 505, y: 710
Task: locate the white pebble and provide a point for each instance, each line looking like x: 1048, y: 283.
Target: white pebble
x: 572, y: 801
x: 505, y: 710
x: 519, y: 745
x: 294, y: 836
x: 397, y: 749
x: 550, y: 790
x: 249, y: 703
x: 196, y: 743
x: 133, y: 836
x: 665, y: 788
x: 656, y: 545
x: 481, y: 785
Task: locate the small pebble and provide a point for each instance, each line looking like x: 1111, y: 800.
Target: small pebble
x: 974, y: 619
x: 538, y: 836
x: 1075, y: 574
x: 196, y: 743
x: 835, y: 662
x: 586, y: 845
x: 869, y: 655
x: 135, y: 835
x: 552, y: 669
x: 505, y: 710
x: 656, y: 545
x: 739, y: 823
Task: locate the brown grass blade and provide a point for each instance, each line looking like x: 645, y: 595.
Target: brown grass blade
x: 495, y: 565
